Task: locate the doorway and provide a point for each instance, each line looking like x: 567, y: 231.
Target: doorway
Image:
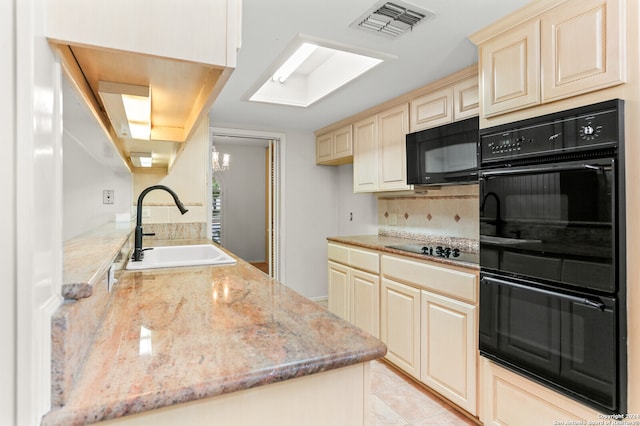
x: 245, y: 214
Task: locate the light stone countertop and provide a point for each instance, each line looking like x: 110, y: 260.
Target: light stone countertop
x: 88, y: 256
x: 380, y: 243
x: 181, y: 334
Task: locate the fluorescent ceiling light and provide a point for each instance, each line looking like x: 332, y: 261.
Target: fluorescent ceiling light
x: 294, y: 61
x: 128, y: 107
x: 141, y: 159
x: 311, y: 70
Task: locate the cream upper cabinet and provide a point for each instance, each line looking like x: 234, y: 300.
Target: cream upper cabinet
x: 379, y: 151
x: 574, y: 47
x: 365, y: 155
x: 582, y: 45
x: 324, y: 148
x: 511, y: 70
x: 336, y: 147
x: 466, y: 99
x: 452, y: 103
x: 393, y: 126
x: 400, y: 325
x: 449, y: 348
x: 432, y: 109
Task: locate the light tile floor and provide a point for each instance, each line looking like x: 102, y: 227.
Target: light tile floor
x: 398, y: 400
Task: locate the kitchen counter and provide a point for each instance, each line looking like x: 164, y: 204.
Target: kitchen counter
x: 381, y: 242
x: 176, y: 335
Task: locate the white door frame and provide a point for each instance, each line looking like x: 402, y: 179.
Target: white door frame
x: 280, y: 141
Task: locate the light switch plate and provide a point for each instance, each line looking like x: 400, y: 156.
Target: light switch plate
x: 393, y: 219
x: 107, y: 196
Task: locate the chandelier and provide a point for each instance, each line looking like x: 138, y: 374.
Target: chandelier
x: 215, y: 161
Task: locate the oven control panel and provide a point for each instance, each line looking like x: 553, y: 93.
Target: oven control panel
x: 550, y: 135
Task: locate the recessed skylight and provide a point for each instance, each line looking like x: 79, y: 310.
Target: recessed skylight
x: 311, y: 69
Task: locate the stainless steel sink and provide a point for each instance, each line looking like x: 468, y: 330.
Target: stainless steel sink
x: 187, y: 255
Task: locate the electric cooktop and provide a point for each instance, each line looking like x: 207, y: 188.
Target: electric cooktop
x: 438, y: 251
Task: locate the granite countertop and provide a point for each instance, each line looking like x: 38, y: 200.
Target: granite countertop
x: 381, y: 243
x: 181, y: 334
x: 88, y: 256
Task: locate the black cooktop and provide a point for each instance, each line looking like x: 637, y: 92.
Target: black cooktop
x: 438, y: 251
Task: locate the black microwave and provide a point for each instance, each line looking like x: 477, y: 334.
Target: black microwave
x: 444, y: 155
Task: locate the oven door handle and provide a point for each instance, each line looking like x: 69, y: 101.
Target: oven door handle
x: 591, y: 303
x: 558, y: 168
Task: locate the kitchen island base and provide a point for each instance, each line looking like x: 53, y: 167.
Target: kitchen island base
x: 336, y: 397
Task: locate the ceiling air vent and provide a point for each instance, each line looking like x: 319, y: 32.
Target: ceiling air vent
x: 391, y: 19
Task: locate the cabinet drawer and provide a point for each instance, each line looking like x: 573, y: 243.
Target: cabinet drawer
x: 449, y: 282
x: 365, y: 260
x: 338, y: 253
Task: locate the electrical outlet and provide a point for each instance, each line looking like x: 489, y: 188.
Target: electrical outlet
x: 393, y: 219
x: 107, y: 196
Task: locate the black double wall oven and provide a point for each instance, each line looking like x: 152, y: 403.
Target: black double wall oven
x: 552, y: 252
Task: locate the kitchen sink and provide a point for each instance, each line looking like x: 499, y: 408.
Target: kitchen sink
x: 186, y: 255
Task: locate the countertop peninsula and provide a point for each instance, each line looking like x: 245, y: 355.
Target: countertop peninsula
x: 176, y: 335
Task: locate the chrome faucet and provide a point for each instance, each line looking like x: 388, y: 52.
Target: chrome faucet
x: 138, y: 251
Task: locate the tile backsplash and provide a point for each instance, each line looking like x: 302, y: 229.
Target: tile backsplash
x: 175, y: 231
x: 451, y: 211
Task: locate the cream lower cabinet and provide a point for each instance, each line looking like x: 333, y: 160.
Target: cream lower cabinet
x: 400, y: 325
x: 354, y: 286
x: 339, y: 300
x: 429, y: 324
x: 448, y: 337
x: 509, y: 399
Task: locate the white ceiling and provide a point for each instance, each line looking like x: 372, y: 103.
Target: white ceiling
x: 435, y: 48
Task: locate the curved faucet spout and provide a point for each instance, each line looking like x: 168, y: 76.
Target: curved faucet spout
x: 138, y: 252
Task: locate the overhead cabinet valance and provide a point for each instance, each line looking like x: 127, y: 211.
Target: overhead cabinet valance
x: 182, y: 52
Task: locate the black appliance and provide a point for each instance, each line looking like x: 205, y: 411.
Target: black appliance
x: 443, y: 155
x: 552, y: 251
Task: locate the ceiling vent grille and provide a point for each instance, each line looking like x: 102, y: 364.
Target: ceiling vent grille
x: 391, y: 19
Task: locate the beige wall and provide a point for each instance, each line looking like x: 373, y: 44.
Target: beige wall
x: 187, y: 178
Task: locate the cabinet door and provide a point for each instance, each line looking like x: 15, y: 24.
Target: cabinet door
x: 400, y: 325
x: 365, y: 155
x: 510, y: 70
x: 365, y: 297
x: 339, y: 290
x: 449, y: 349
x: 582, y: 48
x: 510, y: 399
x: 465, y: 99
x: 323, y: 148
x: 393, y: 126
x: 342, y: 142
x: 432, y: 109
